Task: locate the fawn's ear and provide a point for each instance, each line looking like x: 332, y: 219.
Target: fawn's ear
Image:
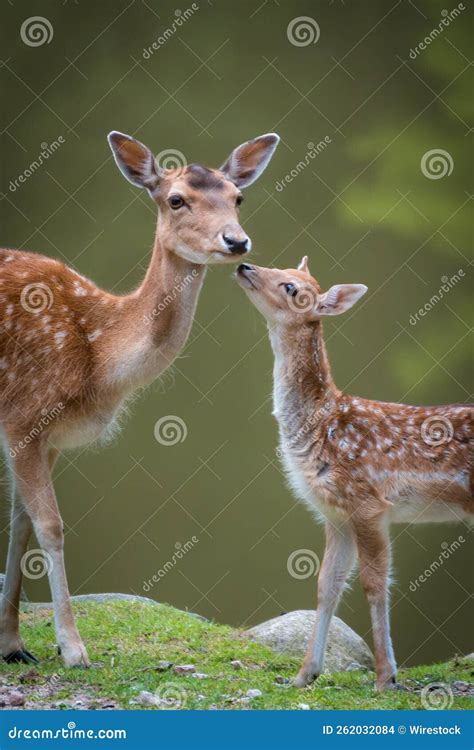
x: 303, y: 266
x: 339, y: 298
x: 247, y: 162
x: 135, y: 161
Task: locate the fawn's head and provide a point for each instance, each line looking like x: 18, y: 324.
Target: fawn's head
x: 199, y: 207
x: 293, y: 296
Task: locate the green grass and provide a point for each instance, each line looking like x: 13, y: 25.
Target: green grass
x: 126, y: 640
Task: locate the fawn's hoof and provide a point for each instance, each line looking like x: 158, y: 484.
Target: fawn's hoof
x: 388, y: 683
x: 303, y: 679
x: 21, y: 656
x: 75, y: 656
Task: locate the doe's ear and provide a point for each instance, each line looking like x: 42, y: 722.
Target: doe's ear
x: 135, y: 161
x: 247, y: 162
x: 339, y: 298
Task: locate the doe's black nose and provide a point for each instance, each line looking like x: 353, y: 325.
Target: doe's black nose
x: 239, y: 247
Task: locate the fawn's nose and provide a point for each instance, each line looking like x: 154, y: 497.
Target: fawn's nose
x: 235, y: 245
x: 244, y: 267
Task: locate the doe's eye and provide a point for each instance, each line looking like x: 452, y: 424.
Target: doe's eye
x: 176, y: 201
x: 239, y: 200
x: 291, y: 290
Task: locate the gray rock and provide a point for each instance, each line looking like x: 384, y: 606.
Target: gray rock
x: 23, y: 596
x: 290, y: 633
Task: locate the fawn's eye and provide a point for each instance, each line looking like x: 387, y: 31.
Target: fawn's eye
x: 291, y: 290
x: 176, y: 201
x: 239, y: 200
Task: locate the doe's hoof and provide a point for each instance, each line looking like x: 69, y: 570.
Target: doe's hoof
x: 21, y: 656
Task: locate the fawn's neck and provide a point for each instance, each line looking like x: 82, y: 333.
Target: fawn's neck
x: 157, y: 317
x: 301, y: 375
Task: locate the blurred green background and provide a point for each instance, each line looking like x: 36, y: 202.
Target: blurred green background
x: 363, y: 210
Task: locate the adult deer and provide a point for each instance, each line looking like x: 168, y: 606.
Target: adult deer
x: 71, y: 353
x: 358, y: 464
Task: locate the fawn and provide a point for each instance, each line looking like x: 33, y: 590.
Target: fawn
x: 358, y: 464
x: 71, y: 353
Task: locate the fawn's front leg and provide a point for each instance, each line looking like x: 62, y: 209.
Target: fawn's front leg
x: 339, y: 558
x: 374, y: 558
x: 33, y: 475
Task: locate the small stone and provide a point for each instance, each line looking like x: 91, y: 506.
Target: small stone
x: 184, y: 668
x: 282, y: 680
x: 303, y: 706
x: 254, y: 693
x: 461, y: 686
x: 236, y: 664
x: 16, y: 698
x: 162, y: 666
x: 147, y: 699
x: 200, y: 676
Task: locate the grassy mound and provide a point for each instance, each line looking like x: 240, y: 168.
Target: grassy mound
x: 135, y: 648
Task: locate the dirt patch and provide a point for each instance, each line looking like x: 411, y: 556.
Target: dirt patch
x: 34, y: 690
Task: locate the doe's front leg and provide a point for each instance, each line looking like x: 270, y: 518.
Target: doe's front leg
x: 33, y: 475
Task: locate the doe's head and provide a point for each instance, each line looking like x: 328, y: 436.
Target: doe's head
x: 199, y: 207
x: 293, y: 296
